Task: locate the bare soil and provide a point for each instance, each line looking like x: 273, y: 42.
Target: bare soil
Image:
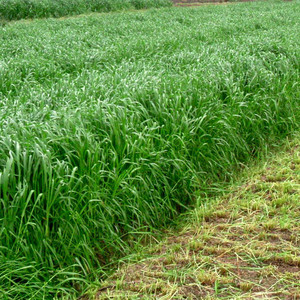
x: 201, y: 2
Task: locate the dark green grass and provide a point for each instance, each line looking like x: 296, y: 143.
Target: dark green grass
x: 111, y: 124
x: 23, y: 9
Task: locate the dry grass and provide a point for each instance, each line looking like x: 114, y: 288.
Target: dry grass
x: 243, y: 245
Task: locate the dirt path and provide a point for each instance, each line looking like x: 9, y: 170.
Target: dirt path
x: 187, y: 3
x: 244, y: 245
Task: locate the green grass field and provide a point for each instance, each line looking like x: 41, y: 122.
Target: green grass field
x: 24, y: 9
x: 111, y: 125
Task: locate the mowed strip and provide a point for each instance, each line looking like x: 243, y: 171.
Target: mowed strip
x: 243, y: 245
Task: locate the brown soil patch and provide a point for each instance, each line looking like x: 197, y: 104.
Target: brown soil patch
x: 203, y: 2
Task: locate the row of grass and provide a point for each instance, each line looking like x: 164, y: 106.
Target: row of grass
x: 24, y: 9
x: 110, y: 125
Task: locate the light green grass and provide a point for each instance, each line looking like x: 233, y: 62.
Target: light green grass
x: 242, y: 245
x: 24, y: 9
x: 112, y: 125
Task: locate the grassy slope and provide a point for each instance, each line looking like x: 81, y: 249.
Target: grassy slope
x: 243, y: 245
x: 110, y: 124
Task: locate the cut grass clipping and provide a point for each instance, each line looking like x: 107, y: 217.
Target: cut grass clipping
x: 243, y: 245
x: 24, y: 9
x: 111, y: 125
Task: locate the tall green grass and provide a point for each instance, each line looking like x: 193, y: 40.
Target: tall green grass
x: 111, y: 125
x: 23, y: 9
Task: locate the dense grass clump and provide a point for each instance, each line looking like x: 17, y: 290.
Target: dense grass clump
x: 23, y: 9
x: 110, y: 125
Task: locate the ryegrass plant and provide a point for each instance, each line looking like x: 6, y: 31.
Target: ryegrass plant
x: 23, y: 9
x: 111, y: 124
